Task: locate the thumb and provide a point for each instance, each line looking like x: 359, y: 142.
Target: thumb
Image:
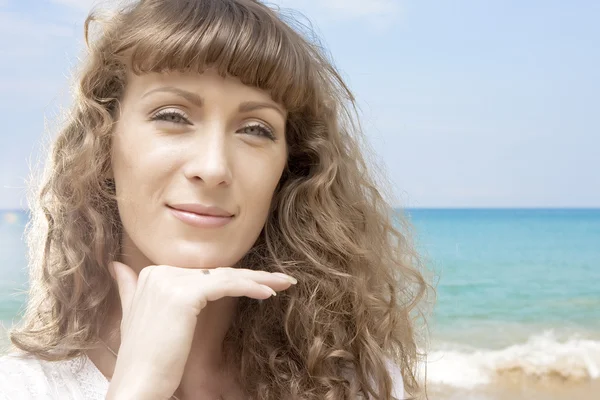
x: 126, y: 280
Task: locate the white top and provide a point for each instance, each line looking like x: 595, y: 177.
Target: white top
x: 25, y: 377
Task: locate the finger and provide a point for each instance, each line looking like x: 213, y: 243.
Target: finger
x: 126, y: 280
x: 262, y: 277
x: 226, y: 275
x: 217, y: 288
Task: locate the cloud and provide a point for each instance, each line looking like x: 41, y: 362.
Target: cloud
x: 345, y: 9
x: 84, y: 5
x: 361, y: 8
x: 24, y: 38
x: 87, y: 5
x: 374, y: 15
x: 336, y: 9
x: 13, y: 24
x: 27, y: 87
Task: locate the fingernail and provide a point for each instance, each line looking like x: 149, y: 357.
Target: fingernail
x: 288, y: 278
x: 273, y: 292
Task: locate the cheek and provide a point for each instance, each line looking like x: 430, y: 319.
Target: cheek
x: 125, y: 159
x: 139, y: 179
x: 139, y: 162
x: 257, y: 186
x: 259, y: 182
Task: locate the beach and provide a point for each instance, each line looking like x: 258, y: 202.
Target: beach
x: 518, y: 306
x: 544, y: 367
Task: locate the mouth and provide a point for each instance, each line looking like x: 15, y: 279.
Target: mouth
x: 200, y: 209
x: 200, y: 220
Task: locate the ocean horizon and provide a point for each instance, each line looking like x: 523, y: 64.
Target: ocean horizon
x: 517, y: 312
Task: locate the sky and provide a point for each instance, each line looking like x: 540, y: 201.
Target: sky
x: 465, y: 103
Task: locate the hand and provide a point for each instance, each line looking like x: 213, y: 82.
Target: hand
x: 160, y: 311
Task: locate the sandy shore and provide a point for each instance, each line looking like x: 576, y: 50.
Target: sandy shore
x: 3, y: 339
x: 510, y: 389
x: 505, y: 387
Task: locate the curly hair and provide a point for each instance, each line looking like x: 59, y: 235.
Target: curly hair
x: 362, y: 286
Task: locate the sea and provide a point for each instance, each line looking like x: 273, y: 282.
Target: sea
x: 517, y: 306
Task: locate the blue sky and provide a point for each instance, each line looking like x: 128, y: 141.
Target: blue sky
x: 466, y: 103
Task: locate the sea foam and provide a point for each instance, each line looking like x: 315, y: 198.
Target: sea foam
x: 541, y: 357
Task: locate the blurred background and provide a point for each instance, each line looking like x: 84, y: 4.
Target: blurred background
x: 485, y: 115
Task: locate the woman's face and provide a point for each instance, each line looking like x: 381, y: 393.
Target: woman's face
x: 195, y: 139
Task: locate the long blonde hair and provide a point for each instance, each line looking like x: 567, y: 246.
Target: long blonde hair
x: 361, y: 287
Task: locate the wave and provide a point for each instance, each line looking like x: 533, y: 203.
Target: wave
x: 542, y: 357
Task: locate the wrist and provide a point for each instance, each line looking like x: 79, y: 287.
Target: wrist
x: 132, y: 392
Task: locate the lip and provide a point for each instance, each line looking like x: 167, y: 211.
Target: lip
x: 202, y: 209
x: 200, y: 221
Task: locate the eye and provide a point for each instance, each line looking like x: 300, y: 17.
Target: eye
x: 256, y: 129
x: 171, y: 115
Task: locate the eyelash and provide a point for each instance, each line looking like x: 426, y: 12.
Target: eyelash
x: 164, y: 114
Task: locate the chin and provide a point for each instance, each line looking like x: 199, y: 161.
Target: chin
x: 198, y: 260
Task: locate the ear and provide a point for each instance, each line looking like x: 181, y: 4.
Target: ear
x: 108, y: 175
x: 108, y: 179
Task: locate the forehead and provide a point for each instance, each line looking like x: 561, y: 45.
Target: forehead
x: 204, y: 84
x: 245, y: 39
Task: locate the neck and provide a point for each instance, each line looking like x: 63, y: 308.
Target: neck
x: 206, y: 365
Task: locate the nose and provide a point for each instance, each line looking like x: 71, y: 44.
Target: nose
x: 209, y: 158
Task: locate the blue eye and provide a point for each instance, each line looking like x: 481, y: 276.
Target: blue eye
x: 171, y: 115
x: 177, y: 117
x: 259, y: 130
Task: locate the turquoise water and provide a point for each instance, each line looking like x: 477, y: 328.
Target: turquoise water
x: 518, y: 290
x: 13, y: 264
x: 525, y: 270
x: 514, y: 286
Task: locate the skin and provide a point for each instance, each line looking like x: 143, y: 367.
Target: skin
x: 210, y: 153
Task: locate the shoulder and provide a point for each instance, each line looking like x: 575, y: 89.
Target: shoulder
x: 24, y: 376
x: 395, y: 375
x: 397, y: 380
x: 21, y: 376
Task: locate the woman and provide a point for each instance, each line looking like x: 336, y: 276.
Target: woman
x: 211, y: 162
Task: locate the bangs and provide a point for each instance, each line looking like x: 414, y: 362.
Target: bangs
x: 242, y: 39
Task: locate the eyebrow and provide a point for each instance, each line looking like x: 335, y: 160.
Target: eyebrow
x: 197, y: 100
